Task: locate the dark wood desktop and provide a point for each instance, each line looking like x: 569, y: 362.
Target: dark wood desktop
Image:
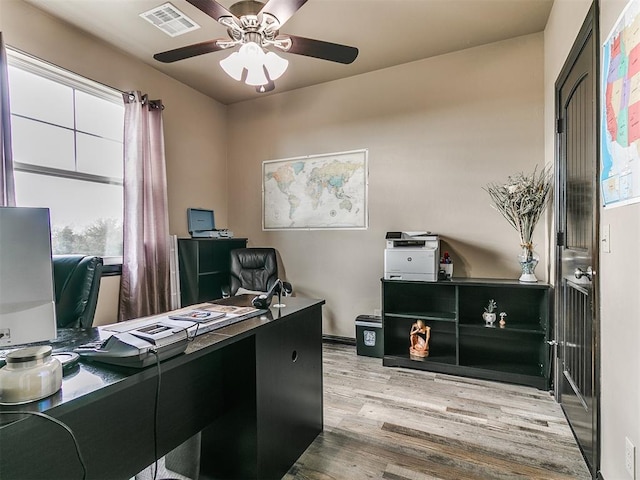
x: 254, y: 390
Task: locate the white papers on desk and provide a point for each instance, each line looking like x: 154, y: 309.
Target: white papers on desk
x: 228, y: 309
x: 229, y: 315
x: 199, y: 316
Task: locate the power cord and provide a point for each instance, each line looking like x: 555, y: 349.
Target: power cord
x: 61, y: 424
x: 155, y: 414
x: 195, y: 334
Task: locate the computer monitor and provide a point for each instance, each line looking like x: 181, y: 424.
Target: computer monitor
x: 27, y: 297
x: 200, y: 220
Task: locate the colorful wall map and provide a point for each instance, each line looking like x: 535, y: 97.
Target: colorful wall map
x: 319, y: 191
x: 620, y: 125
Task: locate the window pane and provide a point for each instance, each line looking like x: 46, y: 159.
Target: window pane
x: 99, y: 156
x: 39, y: 143
x: 86, y: 217
x: 59, y: 125
x: 37, y: 97
x: 100, y: 117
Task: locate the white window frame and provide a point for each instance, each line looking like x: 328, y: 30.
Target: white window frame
x: 52, y: 72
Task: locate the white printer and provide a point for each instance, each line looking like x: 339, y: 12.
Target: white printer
x: 412, y: 256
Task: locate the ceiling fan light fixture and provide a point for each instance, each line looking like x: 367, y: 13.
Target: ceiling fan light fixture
x: 275, y: 65
x: 233, y: 66
x: 252, y: 58
x: 266, y: 88
x: 249, y: 57
x: 256, y: 77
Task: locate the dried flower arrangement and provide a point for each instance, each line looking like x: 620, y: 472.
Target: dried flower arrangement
x: 521, y: 201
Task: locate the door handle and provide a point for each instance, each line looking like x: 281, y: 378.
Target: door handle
x: 579, y: 273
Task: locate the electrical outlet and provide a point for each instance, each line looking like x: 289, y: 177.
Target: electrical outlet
x: 630, y: 457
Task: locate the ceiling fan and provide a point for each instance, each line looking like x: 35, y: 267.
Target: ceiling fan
x: 255, y: 26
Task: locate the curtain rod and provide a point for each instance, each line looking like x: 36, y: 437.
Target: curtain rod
x: 136, y: 95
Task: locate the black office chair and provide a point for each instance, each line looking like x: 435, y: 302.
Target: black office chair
x: 253, y: 269
x: 76, y: 280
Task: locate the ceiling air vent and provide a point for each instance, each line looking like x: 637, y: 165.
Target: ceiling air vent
x: 170, y: 20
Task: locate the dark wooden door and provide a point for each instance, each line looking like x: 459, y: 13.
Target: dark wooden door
x: 576, y: 219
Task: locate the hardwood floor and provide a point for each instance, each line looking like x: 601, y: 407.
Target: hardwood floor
x: 402, y: 424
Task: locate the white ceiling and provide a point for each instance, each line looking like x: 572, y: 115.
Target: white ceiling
x: 387, y: 33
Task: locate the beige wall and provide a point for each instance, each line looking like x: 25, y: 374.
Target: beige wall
x: 437, y: 131
x: 620, y: 321
x: 619, y: 270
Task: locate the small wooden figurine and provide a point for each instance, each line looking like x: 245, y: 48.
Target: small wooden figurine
x: 419, y: 336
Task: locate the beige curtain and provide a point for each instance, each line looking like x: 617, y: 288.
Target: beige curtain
x: 145, y: 284
x: 8, y: 194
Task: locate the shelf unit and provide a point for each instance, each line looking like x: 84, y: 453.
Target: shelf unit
x: 204, y: 267
x: 460, y: 343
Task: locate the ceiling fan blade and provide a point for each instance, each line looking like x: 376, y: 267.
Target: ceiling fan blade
x: 212, y: 8
x: 319, y: 49
x: 283, y: 9
x: 189, y: 51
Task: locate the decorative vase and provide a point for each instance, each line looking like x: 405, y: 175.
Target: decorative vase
x: 528, y: 260
x: 489, y: 319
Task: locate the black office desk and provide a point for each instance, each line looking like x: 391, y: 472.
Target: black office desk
x: 254, y: 389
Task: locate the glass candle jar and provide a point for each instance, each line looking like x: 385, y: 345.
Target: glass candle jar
x: 30, y: 374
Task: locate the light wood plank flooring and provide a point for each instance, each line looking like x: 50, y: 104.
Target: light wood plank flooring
x: 401, y: 424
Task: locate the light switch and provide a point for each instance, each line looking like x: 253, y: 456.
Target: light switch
x: 605, y: 244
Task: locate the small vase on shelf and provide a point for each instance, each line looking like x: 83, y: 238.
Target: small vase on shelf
x: 528, y: 260
x: 489, y: 315
x: 489, y: 319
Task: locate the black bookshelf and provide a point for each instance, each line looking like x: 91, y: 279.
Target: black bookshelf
x: 461, y: 343
x: 204, y: 267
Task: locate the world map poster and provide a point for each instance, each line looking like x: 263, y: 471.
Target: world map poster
x: 620, y: 125
x: 326, y: 191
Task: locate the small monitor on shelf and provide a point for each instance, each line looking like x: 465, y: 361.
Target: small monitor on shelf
x: 200, y: 222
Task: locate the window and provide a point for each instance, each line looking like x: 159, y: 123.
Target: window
x: 67, y: 135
